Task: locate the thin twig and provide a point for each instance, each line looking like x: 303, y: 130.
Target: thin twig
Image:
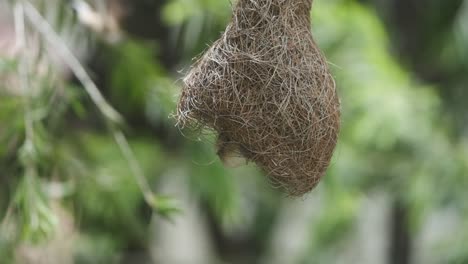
x: 23, y: 71
x: 61, y: 48
x: 128, y: 154
x: 23, y: 68
x: 6, y: 220
x: 106, y: 109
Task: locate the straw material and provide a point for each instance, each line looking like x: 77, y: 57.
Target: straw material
x: 266, y: 89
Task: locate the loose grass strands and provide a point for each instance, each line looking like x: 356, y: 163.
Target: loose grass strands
x: 266, y: 88
x: 109, y: 113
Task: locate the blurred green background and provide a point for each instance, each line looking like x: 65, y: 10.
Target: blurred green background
x: 74, y: 189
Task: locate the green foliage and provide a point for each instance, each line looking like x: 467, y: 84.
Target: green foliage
x: 390, y: 138
x: 337, y: 219
x: 133, y: 74
x: 196, y: 23
x: 388, y: 119
x: 107, y: 195
x: 96, y: 249
x: 395, y: 138
x: 140, y: 86
x: 209, y: 179
x: 165, y: 206
x: 178, y: 11
x: 36, y: 219
x: 42, y: 152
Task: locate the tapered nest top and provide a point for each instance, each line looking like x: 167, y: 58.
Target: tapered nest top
x: 265, y: 87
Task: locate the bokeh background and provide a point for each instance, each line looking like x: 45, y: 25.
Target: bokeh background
x: 93, y: 169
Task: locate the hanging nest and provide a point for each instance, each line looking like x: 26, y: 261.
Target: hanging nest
x: 266, y: 89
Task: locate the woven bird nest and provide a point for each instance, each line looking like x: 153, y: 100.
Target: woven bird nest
x: 267, y: 91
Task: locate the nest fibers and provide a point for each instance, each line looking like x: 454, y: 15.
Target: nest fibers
x: 265, y: 87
